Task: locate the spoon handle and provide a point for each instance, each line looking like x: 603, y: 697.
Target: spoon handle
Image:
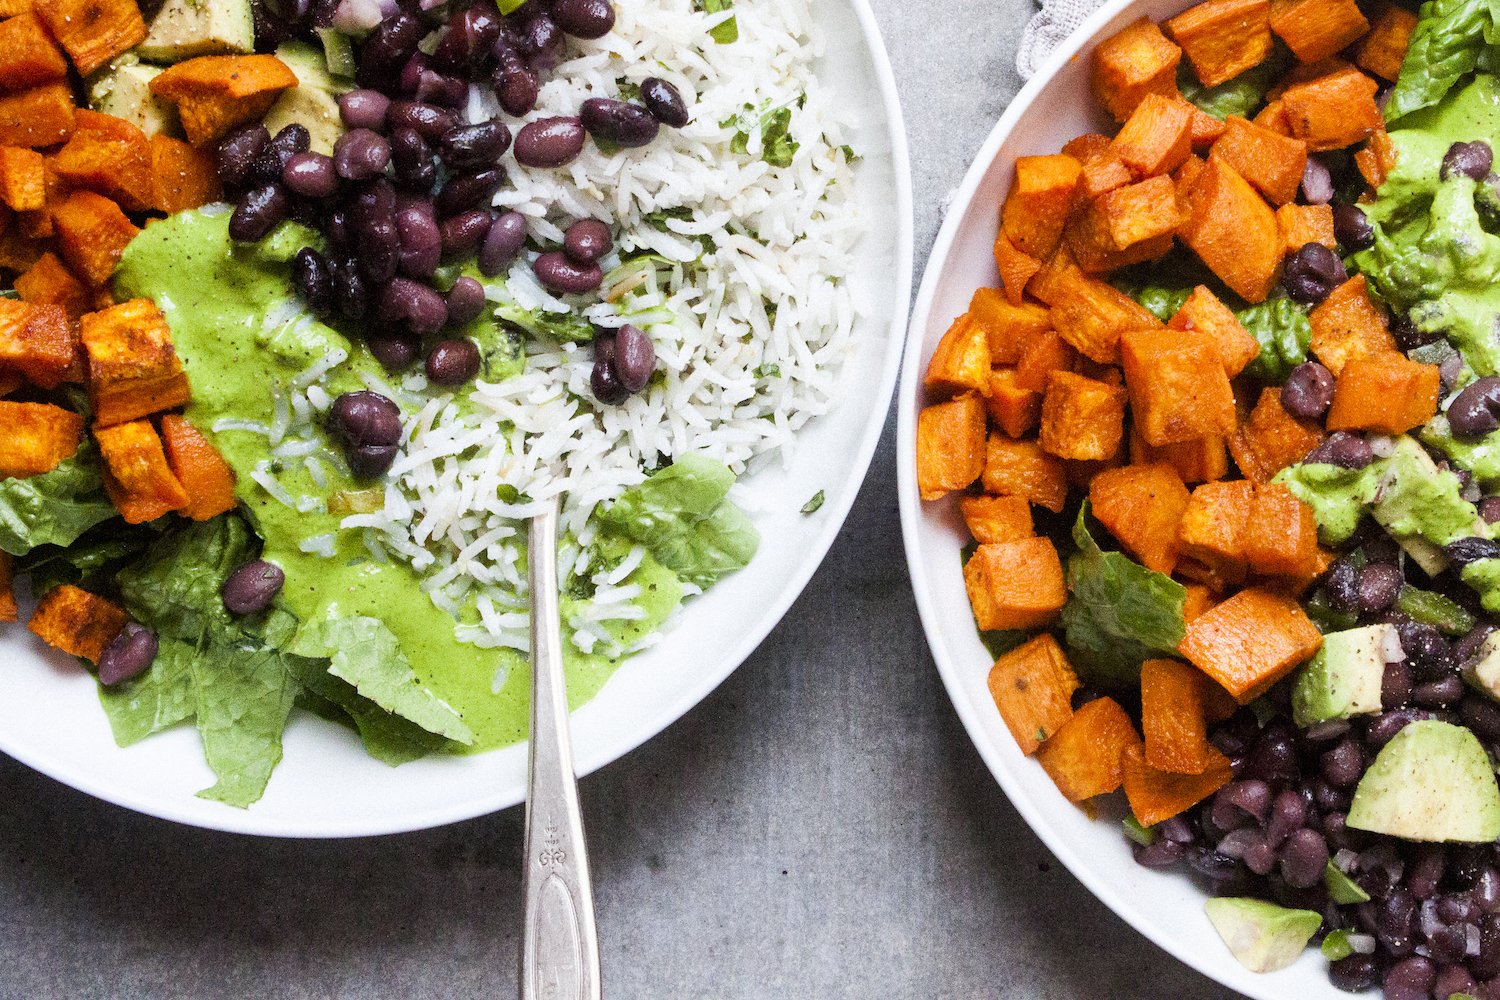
x: 560, y: 945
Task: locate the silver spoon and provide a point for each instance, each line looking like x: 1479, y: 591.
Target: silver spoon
x: 559, y: 944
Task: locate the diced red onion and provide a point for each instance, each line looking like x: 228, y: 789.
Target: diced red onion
x: 355, y: 17
x: 1430, y: 922
x: 1237, y: 842
x: 1344, y: 860
x: 1317, y: 182
x: 1363, y: 944
x: 1390, y: 647
x: 1471, y: 939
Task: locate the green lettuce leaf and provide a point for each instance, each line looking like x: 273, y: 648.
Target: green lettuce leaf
x: 1243, y: 96
x: 244, y: 696
x: 1119, y: 613
x: 1282, y: 328
x: 388, y: 738
x: 683, y: 517
x: 1451, y: 39
x: 175, y: 588
x: 1161, y: 302
x: 367, y: 655
x: 156, y: 700
x: 54, y: 508
x: 95, y: 556
x: 568, y: 326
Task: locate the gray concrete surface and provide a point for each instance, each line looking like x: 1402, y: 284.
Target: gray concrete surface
x: 819, y: 828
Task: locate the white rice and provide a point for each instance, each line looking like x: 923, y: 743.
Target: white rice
x: 749, y: 314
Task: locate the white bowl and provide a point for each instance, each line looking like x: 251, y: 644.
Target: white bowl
x: 326, y: 786
x: 1055, y: 106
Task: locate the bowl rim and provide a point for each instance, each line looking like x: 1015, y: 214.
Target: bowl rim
x: 1035, y: 813
x: 878, y: 397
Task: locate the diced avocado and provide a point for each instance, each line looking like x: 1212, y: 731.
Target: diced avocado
x: 1342, y: 888
x: 1344, y: 678
x: 187, y: 28
x: 1432, y: 783
x: 1264, y: 937
x: 313, y: 102
x: 311, y: 67
x: 123, y: 89
x: 1338, y: 496
x: 1484, y: 674
x: 1420, y: 506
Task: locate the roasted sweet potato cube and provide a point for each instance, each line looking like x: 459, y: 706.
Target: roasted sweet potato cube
x: 1142, y: 506
x: 93, y: 31
x: 39, y: 342
x: 1015, y: 585
x: 182, y: 177
x: 49, y: 282
x: 138, y: 478
x: 1033, y: 688
x: 1377, y: 159
x: 36, y: 437
x: 1300, y: 225
x: 1383, y: 50
x: 1013, y: 408
x: 1223, y: 38
x: 1388, y: 393
x: 133, y: 369
x: 961, y: 361
x: 1199, y: 599
x: 1083, y: 758
x: 1317, y: 29
x: 1172, y: 717
x: 28, y: 55
x: 8, y: 610
x: 1213, y: 527
x: 1010, y: 327
x: 1157, y: 137
x: 1136, y: 62
x: 1281, y: 537
x: 215, y: 93
x: 77, y: 622
x: 1251, y: 641
x: 41, y: 116
x: 23, y: 179
x: 1021, y: 469
x: 10, y: 8
x: 1205, y: 314
x: 1272, y: 439
x: 206, y: 478
x: 108, y: 156
x: 1178, y: 389
x: 1040, y: 199
x: 92, y: 233
x: 1333, y: 111
x: 1047, y: 353
x: 1126, y: 226
x: 1155, y: 795
x: 1273, y: 117
x: 992, y: 520
x: 1272, y: 163
x: 1232, y: 229
x: 1082, y: 418
x: 1092, y: 315
x: 950, y: 446
x: 1200, y: 461
x: 1102, y: 173
x: 1185, y: 176
x: 1016, y: 269
x: 1347, y: 325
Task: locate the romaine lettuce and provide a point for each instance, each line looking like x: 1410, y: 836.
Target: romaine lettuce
x: 1451, y: 40
x: 1282, y: 328
x: 156, y: 700
x: 53, y: 508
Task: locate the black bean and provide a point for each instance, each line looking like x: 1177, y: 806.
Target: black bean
x: 366, y: 417
x: 1162, y: 854
x: 1425, y: 649
x: 1341, y: 585
x: 421, y: 241
x: 584, y: 18
x: 411, y: 73
x: 1395, y: 685
x: 387, y: 49
x: 311, y: 175
x: 1487, y: 963
x: 351, y: 294
x: 464, y: 233
x: 1354, y: 974
x: 665, y: 102
x: 419, y: 306
x: 1343, y: 765
x: 291, y: 140
x: 1328, y: 798
x: 1426, y: 871
x: 1308, y: 391
x: 1407, y: 336
x: 475, y: 147
x: 250, y: 589
x: 1466, y: 649
x: 414, y: 161
x: 364, y: 108
x: 361, y: 154
x: 444, y: 91
x: 1464, y: 551
x: 374, y: 203
x: 1396, y: 918
x: 1475, y: 412
x: 1486, y: 893
x: 1344, y: 449
x: 1379, y: 586
x: 1454, y: 980
x: 587, y: 240
x: 128, y: 654
x: 1352, y: 229
x: 427, y: 120
x: 635, y: 361
x: 502, y: 243
x: 1210, y: 863
x: 313, y: 278
x: 517, y: 88
x: 1489, y: 509
x: 465, y: 301
x: 396, y: 351
x: 618, y: 122
x: 259, y: 212
x: 379, y: 250
x: 453, y: 362
x: 1288, y: 814
x: 603, y: 380
x: 1273, y: 758
x: 539, y: 41
x: 1384, y: 727
x: 549, y: 142
x: 1312, y: 273
x: 237, y: 152
x: 1468, y: 159
x: 468, y: 41
x: 561, y: 276
x: 1436, y: 694
x: 371, y: 461
x: 464, y: 192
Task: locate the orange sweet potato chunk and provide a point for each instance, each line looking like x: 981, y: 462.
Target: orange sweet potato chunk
x: 1015, y: 585
x: 36, y: 437
x: 1126, y: 226
x: 205, y: 477
x: 1033, y: 688
x: 1155, y: 795
x: 1317, y: 29
x: 1014, y: 408
x: 1251, y: 641
x: 1232, y: 229
x: 961, y: 361
x: 1271, y: 439
x: 1272, y: 163
x: 1090, y: 314
x: 93, y: 31
x: 1213, y: 528
x: 1204, y: 313
x: 77, y: 622
x: 1173, y: 718
x: 1037, y: 207
x: 1082, y: 418
x: 997, y: 519
x: 108, y: 156
x: 1022, y: 469
x: 133, y: 368
x: 1300, y: 225
x: 92, y: 233
x: 23, y: 179
x: 1047, y: 353
x: 1136, y: 62
x: 38, y: 342
x: 1388, y: 393
x: 28, y: 55
x: 1016, y: 269
x: 1333, y: 111
x: 49, y: 282
x: 1010, y: 328
x: 215, y: 93
x: 1157, y: 137
x: 9, y: 612
x: 1084, y: 757
x: 1203, y: 460
x: 138, y: 478
x: 1223, y: 38
x: 1178, y: 389
x: 182, y: 177
x: 41, y: 116
x: 1281, y: 536
x: 1347, y: 326
x: 1142, y: 506
x: 950, y: 446
x: 1377, y: 159
x: 1383, y: 50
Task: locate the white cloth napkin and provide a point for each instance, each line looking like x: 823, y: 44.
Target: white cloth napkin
x: 1046, y: 31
